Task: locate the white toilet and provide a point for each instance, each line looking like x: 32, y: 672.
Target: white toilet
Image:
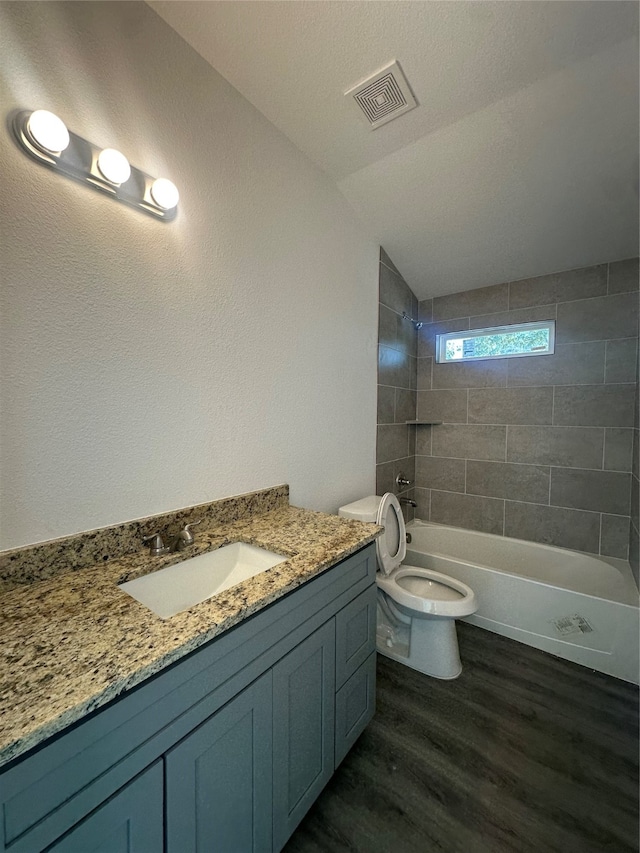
x: 417, y: 608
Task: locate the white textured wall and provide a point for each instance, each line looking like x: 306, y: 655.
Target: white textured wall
x: 148, y: 366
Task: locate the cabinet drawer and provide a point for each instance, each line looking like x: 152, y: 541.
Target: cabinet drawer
x: 355, y: 634
x: 355, y: 706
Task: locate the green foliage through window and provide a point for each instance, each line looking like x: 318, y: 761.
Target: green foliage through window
x: 503, y: 342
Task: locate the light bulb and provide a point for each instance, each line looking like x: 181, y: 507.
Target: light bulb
x: 48, y: 131
x: 165, y: 193
x: 114, y: 166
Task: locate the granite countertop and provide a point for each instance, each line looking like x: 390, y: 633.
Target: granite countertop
x: 75, y: 641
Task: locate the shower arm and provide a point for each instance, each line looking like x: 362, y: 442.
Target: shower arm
x: 417, y: 324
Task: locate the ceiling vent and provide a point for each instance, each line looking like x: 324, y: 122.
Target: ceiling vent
x: 383, y: 96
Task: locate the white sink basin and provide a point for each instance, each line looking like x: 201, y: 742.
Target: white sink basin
x: 181, y: 586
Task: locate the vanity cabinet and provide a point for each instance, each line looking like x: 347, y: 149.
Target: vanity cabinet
x: 218, y: 779
x: 355, y: 705
x: 303, y: 729
x: 225, y: 750
x: 129, y: 822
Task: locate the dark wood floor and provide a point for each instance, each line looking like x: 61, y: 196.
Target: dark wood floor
x: 523, y: 753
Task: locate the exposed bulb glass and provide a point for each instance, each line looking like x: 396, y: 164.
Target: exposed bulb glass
x: 165, y: 193
x: 114, y: 166
x: 48, y: 131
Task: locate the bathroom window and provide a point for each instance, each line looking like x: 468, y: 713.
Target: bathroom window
x: 515, y: 341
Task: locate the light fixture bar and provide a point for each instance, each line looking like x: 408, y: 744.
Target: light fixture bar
x: 104, y: 169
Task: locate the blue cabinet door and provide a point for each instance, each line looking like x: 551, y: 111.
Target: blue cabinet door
x: 355, y: 706
x: 219, y: 779
x: 129, y: 822
x: 355, y: 634
x: 303, y: 729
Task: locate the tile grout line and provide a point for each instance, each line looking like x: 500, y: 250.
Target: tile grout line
x: 546, y: 304
x: 591, y: 298
x: 529, y: 503
x: 556, y: 465
x: 600, y: 535
x: 533, y: 307
x: 526, y: 425
x: 547, y: 385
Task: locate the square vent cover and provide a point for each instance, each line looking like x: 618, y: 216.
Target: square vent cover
x: 383, y: 96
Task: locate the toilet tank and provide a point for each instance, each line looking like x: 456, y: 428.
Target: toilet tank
x: 366, y: 509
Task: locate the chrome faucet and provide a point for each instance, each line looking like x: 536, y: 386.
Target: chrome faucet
x: 184, y: 538
x: 178, y: 543
x: 408, y: 501
x: 156, y: 545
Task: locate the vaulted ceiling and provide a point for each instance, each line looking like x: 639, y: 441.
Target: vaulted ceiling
x: 522, y: 156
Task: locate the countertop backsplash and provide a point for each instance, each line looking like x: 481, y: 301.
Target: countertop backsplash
x: 94, y: 547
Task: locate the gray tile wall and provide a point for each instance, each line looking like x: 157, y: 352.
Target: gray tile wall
x: 397, y: 375
x: 542, y: 448
x: 634, y: 530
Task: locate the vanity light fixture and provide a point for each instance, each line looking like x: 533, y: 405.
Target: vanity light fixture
x: 164, y: 193
x: 114, y: 166
x: 46, y: 138
x: 48, y: 131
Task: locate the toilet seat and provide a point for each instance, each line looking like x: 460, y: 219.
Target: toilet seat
x: 417, y: 608
x: 422, y: 591
x: 391, y: 547
x: 429, y: 592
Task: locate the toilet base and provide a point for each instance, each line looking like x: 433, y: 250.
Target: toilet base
x: 433, y: 648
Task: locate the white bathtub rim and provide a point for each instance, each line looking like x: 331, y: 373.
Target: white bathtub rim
x: 629, y: 595
x: 448, y: 558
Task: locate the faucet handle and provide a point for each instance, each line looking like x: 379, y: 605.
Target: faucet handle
x: 185, y: 535
x: 402, y: 481
x: 156, y: 545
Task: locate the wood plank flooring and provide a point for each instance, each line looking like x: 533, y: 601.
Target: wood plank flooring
x: 524, y: 753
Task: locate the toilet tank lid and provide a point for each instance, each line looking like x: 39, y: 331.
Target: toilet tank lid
x: 365, y: 509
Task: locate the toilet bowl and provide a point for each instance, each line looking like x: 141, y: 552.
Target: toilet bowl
x: 417, y: 607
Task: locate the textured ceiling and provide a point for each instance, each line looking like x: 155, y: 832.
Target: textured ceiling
x: 522, y: 156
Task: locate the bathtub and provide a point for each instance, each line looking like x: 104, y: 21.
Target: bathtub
x: 573, y: 605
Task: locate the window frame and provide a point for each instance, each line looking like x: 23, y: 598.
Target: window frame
x: 441, y: 341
